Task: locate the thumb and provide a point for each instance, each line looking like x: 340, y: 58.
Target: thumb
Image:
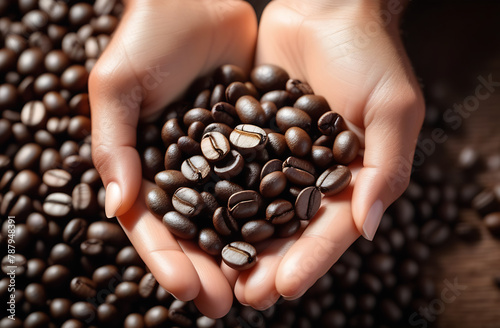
x: 392, y: 128
x: 114, y: 114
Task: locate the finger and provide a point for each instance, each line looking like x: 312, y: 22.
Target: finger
x: 216, y: 296
x: 392, y: 127
x: 114, y: 114
x: 324, y: 240
x: 160, y: 250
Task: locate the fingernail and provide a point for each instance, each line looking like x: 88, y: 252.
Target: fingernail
x: 113, y: 199
x: 373, y: 220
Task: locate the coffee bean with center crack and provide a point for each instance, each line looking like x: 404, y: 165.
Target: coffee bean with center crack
x: 308, y: 203
x: 187, y: 201
x: 239, y: 255
x: 334, y: 180
x: 196, y: 169
x: 214, y: 146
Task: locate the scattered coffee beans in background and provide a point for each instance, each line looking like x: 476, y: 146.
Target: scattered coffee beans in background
x: 76, y: 268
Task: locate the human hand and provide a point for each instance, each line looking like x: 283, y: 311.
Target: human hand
x: 351, y: 54
x: 158, y: 50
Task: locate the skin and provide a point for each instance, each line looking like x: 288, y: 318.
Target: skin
x: 364, y: 74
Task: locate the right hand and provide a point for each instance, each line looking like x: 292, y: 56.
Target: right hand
x: 157, y: 51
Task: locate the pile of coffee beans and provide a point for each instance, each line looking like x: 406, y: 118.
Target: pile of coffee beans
x: 253, y: 157
x: 76, y: 268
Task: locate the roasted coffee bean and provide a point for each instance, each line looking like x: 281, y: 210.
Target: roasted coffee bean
x: 280, y: 98
x: 231, y: 166
x: 45, y: 83
x: 45, y: 139
x: 223, y: 222
x: 345, y: 147
x: 485, y: 202
x: 198, y: 115
x: 189, y: 146
x: 331, y: 124
x: 8, y: 96
x: 248, y: 137
x: 257, y: 230
x: 276, y: 144
x: 75, y: 231
x: 223, y: 112
x: 21, y: 133
x: 219, y: 127
x: 196, y: 169
x: 224, y: 189
x: 83, y: 287
x: 107, y: 314
x: 236, y: 90
x: 152, y: 161
x: 25, y: 182
x: 251, y: 175
x: 27, y: 157
x: 147, y: 285
x: 288, y: 117
x: 271, y: 166
x: 321, y: 156
x: 127, y: 291
x: 34, y: 114
x: 83, y: 311
x: 171, y: 132
x: 171, y: 180
x: 287, y: 229
x: 298, y: 141
x: 56, y: 61
x: 297, y: 88
x: 57, y: 179
x: 30, y: 61
x: 244, y: 204
x: 61, y: 254
x: 105, y: 276
x: 299, y: 171
x: 250, y: 111
x: 214, y: 146
x: 158, y: 202
x: 105, y: 24
x: 307, y: 203
x: 492, y: 222
x: 269, y: 77
x: 334, y: 180
x: 84, y: 199
x: 195, y: 131
x: 16, y: 262
x: 56, y: 276
x: 179, y: 225
x: 60, y: 308
x: 37, y: 224
x: 57, y: 205
x: 187, y: 201
x: 239, y: 255
x: 92, y: 247
x: 6, y: 180
x: 36, y: 319
x: 209, y: 241
x: 313, y: 105
x: 218, y: 95
x: 178, y: 313
x: 280, y: 211
x: 110, y: 233
x: 227, y: 74
x: 273, y: 184
x: 8, y: 59
x: 173, y: 157
x: 210, y: 202
x: 74, y: 78
x: 80, y: 14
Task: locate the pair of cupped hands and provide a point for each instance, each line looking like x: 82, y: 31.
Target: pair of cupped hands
x: 348, y: 51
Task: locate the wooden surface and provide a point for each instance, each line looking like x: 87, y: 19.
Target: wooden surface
x: 451, y: 44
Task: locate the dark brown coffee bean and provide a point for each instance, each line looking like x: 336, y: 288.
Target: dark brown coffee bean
x: 147, y: 285
x: 25, y: 182
x: 195, y: 131
x: 239, y: 255
x: 92, y: 247
x: 110, y: 233
x: 248, y: 137
x: 80, y: 14
x: 171, y: 180
x: 127, y: 291
x: 83, y: 311
x: 57, y: 179
x: 250, y: 111
x: 224, y: 223
x: 74, y: 78
x: 84, y: 199
x: 210, y: 202
x: 224, y: 189
x: 334, y: 180
x: 173, y: 157
x: 287, y: 229
x: 219, y: 127
x: 30, y: 61
x: 321, y: 156
x: 158, y: 202
x: 227, y: 74
x: 273, y: 184
x: 308, y: 203
x: 270, y: 109
x: 225, y: 113
x: 299, y: 171
x: 8, y: 96
x: 257, y: 230
x: 434, y: 232
x: 492, y: 222
x: 313, y: 105
x: 45, y: 83
x: 288, y: 117
x: 36, y: 319
x: 280, y: 211
x: 485, y: 202
x: 75, y: 231
x: 189, y: 146
x: 345, y: 147
x: 231, y: 166
x: 218, y: 95
x: 251, y: 175
x: 244, y: 204
x: 45, y: 139
x: 187, y: 201
x: 56, y: 276
x: 16, y: 260
x: 8, y: 60
x: 105, y: 24
x: 297, y: 88
x: 271, y: 166
x: 196, y: 169
x: 13, y: 205
x: 152, y: 161
x: 210, y: 242
x: 171, y: 132
x: 198, y: 115
x: 34, y: 114
x: 276, y: 144
x: 6, y: 180
x: 236, y: 90
x: 57, y: 205
x: 214, y: 146
x: 269, y: 77
x: 331, y: 124
x: 83, y: 287
x: 298, y: 141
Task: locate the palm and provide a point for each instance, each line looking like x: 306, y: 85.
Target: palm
x: 354, y: 77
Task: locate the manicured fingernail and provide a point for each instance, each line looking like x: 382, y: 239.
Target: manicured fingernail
x: 113, y: 199
x: 373, y: 220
